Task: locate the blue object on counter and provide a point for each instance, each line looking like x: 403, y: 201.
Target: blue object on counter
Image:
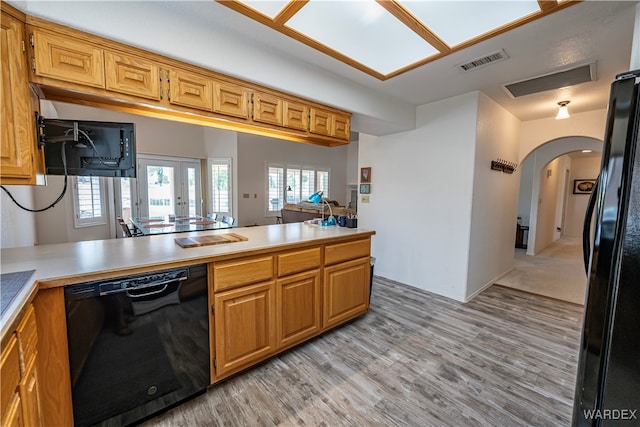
x: 316, y: 197
x: 342, y: 221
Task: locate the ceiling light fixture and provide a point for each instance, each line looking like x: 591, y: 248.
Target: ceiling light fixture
x: 563, y: 111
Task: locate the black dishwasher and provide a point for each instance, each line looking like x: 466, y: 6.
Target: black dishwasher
x: 137, y: 344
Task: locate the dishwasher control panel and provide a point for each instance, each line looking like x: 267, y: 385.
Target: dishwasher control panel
x: 122, y: 284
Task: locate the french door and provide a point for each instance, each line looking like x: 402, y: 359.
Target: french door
x: 169, y: 187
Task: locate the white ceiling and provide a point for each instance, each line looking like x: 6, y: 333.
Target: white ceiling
x: 598, y: 31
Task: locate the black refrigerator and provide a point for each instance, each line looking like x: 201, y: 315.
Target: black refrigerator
x: 608, y: 381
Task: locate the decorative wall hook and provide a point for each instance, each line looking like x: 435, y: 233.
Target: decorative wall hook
x: 503, y: 166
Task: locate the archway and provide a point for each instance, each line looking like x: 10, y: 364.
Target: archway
x: 542, y: 182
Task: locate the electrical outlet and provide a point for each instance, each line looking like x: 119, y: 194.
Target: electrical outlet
x: 245, y: 195
x: 364, y: 199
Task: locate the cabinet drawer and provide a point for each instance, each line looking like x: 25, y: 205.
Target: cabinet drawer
x: 68, y: 59
x: 10, y: 373
x: 27, y: 338
x: 230, y: 274
x: 295, y: 262
x: 346, y: 251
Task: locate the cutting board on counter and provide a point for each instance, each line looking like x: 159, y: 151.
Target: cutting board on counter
x: 215, y: 239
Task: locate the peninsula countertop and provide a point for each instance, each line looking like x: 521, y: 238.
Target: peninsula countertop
x: 67, y: 263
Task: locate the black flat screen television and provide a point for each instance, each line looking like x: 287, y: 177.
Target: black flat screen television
x: 90, y: 148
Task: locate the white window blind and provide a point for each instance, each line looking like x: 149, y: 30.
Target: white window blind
x: 299, y: 185
x: 89, y: 201
x: 220, y: 170
x: 276, y: 188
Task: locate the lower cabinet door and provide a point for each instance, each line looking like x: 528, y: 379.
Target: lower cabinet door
x: 244, y: 326
x: 298, y: 305
x: 29, y: 393
x: 346, y: 291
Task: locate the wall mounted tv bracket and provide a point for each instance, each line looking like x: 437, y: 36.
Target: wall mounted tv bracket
x: 72, y: 134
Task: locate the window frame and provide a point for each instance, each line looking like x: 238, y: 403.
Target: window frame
x: 79, y: 222
x: 227, y: 161
x: 285, y: 182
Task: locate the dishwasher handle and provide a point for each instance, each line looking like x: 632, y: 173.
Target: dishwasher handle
x: 146, y: 285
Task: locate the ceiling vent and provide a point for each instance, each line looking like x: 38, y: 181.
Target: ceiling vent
x: 556, y: 80
x: 485, y: 60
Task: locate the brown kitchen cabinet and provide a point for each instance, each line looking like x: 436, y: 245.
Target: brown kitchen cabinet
x: 298, y: 308
x: 68, y: 59
x: 295, y: 115
x: 346, y: 281
x: 20, y: 400
x: 191, y: 90
x: 21, y: 162
x: 267, y: 108
x: 132, y: 75
x: 231, y: 100
x: 244, y: 321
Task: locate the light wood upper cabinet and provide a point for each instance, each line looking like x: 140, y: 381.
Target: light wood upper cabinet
x: 296, y: 115
x: 132, y: 75
x: 267, y: 109
x: 232, y: 100
x: 321, y: 122
x: 191, y: 90
x: 20, y: 160
x: 65, y: 58
x: 341, y: 126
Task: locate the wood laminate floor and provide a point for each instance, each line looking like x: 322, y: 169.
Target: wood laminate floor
x: 507, y: 358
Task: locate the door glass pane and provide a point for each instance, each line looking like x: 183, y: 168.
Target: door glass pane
x: 161, y: 190
x: 125, y: 199
x: 191, y: 191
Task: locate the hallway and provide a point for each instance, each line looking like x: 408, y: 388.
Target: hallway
x: 556, y: 272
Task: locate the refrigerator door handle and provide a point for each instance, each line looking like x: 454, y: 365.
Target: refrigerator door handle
x: 586, y: 231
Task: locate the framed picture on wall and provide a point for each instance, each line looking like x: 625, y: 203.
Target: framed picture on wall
x: 365, y: 188
x: 365, y: 174
x: 583, y: 186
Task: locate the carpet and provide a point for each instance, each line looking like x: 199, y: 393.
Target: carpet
x: 119, y: 374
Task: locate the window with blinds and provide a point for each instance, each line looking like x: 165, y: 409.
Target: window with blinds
x: 220, y: 184
x: 89, y: 201
x: 300, y: 183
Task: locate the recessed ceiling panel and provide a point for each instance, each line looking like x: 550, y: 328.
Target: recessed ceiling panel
x: 363, y: 31
x: 270, y: 8
x: 457, y: 21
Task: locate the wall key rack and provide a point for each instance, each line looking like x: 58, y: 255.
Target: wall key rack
x: 503, y: 166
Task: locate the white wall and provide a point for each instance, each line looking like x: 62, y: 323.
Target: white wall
x: 549, y: 195
x: 255, y: 151
x: 421, y: 194
x: 581, y: 168
x: 495, y: 195
x: 17, y: 227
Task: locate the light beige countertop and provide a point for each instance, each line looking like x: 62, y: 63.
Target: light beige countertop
x: 67, y: 263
